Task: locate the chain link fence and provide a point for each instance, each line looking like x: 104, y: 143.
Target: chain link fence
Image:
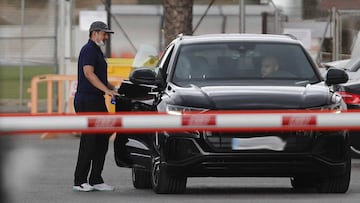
x: 344, y: 26
x: 28, y: 41
x: 28, y: 33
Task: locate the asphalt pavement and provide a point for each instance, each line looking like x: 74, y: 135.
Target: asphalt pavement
x: 15, y: 106
x: 41, y: 171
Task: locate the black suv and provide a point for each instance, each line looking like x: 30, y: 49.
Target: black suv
x: 224, y: 72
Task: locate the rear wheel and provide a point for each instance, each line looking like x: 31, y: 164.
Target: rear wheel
x: 141, y: 179
x: 163, y: 182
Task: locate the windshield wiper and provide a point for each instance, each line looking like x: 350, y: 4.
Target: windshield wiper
x: 302, y: 82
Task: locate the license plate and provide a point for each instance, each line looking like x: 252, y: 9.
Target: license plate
x: 267, y: 142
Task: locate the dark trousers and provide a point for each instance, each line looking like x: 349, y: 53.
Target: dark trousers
x: 92, y: 149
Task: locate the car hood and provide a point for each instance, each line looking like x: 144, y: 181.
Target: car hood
x: 251, y: 97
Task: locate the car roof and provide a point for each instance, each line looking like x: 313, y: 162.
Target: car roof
x: 184, y: 39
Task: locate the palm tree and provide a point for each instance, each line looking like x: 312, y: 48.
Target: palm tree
x: 177, y: 18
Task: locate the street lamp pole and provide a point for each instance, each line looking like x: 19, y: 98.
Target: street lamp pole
x: 108, y: 42
x: 242, y: 16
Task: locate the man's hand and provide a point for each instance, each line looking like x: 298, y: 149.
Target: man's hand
x: 111, y: 93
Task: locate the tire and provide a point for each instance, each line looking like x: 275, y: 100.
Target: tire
x: 355, y: 152
x: 301, y: 182
x: 355, y: 144
x: 141, y: 179
x: 163, y: 182
x: 332, y: 183
x: 337, y: 184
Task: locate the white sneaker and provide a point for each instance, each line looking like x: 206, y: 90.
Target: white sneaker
x: 103, y: 187
x: 85, y: 187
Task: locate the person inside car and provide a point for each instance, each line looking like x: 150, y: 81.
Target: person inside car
x: 270, y: 67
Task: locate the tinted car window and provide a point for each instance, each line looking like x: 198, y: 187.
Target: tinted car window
x: 164, y: 60
x: 240, y: 61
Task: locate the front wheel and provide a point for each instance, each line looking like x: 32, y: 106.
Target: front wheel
x: 302, y: 182
x: 337, y: 184
x: 141, y: 179
x: 355, y: 152
x: 163, y: 182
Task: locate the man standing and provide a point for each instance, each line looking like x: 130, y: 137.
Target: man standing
x: 89, y: 97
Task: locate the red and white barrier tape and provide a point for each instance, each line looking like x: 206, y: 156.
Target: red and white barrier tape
x: 212, y: 121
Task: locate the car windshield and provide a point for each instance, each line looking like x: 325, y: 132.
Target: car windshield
x: 242, y: 61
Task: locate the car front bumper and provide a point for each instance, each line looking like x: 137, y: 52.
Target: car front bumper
x: 193, y: 157
x: 266, y: 165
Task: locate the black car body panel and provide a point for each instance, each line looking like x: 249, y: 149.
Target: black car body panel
x: 351, y: 92
x: 169, y: 158
x: 252, y: 97
x: 353, y: 88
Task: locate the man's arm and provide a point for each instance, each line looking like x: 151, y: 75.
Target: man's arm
x: 94, y: 80
x: 110, y: 86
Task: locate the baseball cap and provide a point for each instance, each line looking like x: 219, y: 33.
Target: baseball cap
x: 99, y: 26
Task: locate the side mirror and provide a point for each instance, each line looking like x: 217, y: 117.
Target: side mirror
x: 336, y: 76
x: 143, y: 76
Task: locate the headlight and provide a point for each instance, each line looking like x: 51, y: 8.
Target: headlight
x: 338, y: 107
x: 175, y: 109
x: 335, y: 98
x: 336, y: 103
